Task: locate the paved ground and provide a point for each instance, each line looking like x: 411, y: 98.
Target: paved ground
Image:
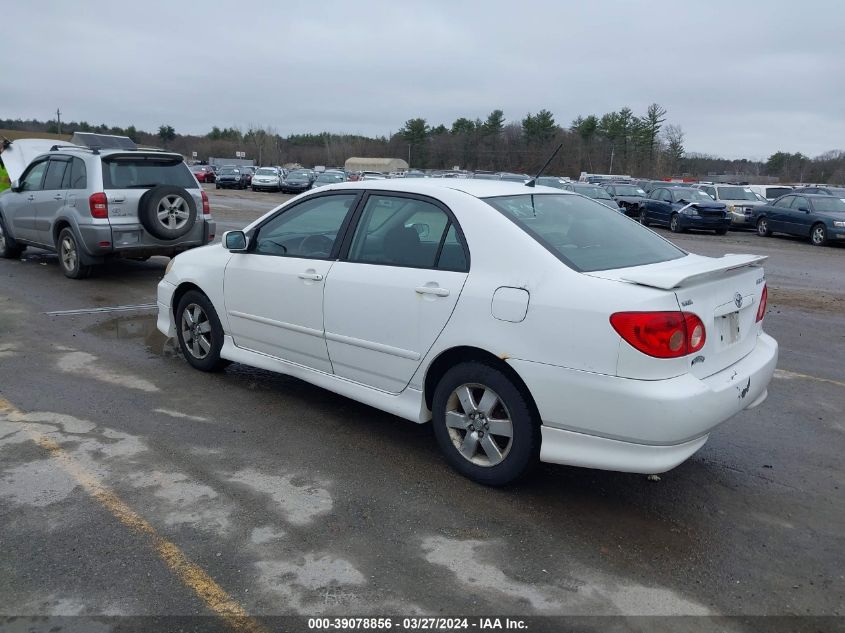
x: 131, y: 484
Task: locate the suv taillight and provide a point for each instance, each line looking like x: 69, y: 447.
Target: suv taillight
x: 764, y: 300
x: 661, y: 334
x: 206, y: 208
x: 99, y: 205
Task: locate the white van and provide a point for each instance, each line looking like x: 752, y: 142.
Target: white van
x: 770, y: 192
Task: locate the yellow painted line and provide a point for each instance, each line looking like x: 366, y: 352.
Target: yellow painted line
x: 193, y: 576
x: 789, y: 375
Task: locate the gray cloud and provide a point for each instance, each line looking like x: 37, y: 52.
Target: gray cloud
x: 743, y: 78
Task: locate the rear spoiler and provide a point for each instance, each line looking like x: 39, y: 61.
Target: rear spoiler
x: 669, y: 277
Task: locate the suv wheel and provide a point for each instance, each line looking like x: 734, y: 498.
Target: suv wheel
x: 9, y: 249
x: 167, y: 212
x: 199, y: 332
x: 70, y: 258
x: 485, y: 428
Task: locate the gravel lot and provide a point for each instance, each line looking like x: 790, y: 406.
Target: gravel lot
x: 133, y: 485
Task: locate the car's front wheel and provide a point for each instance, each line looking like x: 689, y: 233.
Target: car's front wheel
x: 818, y: 235
x: 483, y: 424
x: 70, y: 259
x: 763, y: 229
x: 199, y: 332
x: 643, y: 217
x: 675, y: 224
x: 9, y: 249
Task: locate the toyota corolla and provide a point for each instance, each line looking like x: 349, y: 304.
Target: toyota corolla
x: 527, y: 324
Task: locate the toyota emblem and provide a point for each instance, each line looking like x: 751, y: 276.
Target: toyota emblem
x: 738, y: 300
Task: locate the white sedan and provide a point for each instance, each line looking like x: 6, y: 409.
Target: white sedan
x: 528, y: 324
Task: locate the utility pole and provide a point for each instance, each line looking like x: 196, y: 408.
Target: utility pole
x: 59, y: 120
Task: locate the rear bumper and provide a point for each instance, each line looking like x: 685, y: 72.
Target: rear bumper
x: 133, y: 239
x: 650, y: 418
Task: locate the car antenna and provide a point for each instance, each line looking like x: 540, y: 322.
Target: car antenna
x: 533, y: 181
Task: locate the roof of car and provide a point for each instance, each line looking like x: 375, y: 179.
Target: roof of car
x: 476, y: 188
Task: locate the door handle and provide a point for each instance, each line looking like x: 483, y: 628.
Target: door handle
x: 31, y: 198
x: 58, y: 196
x: 433, y: 290
x: 310, y: 276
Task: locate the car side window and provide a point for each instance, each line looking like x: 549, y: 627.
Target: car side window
x: 655, y: 194
x: 308, y: 229
x: 666, y: 196
x: 77, y: 176
x: 710, y: 191
x: 32, y: 179
x: 800, y: 203
x: 55, y: 174
x: 784, y: 203
x: 406, y: 232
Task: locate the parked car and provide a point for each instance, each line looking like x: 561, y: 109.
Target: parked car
x: 523, y: 178
x: 821, y: 218
x: 593, y: 191
x: 296, y: 181
x: 823, y: 189
x: 627, y: 196
x: 682, y: 208
x: 232, y: 178
x: 90, y: 206
x: 329, y: 178
x: 632, y: 383
x: 771, y: 192
x: 204, y: 173
x: 552, y: 181
x: 740, y: 200
x: 415, y: 173
x: 249, y: 171
x: 267, y: 179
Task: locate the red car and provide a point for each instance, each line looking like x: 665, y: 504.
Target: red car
x: 204, y: 173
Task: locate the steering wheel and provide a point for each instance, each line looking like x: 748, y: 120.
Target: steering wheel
x: 316, y: 246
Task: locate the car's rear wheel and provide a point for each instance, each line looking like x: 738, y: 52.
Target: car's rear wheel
x: 199, y: 332
x: 483, y: 424
x: 721, y: 231
x: 763, y: 229
x: 70, y: 259
x: 675, y: 224
x: 818, y: 235
x: 9, y: 249
x: 643, y: 217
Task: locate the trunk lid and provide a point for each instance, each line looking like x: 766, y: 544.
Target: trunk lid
x: 723, y: 292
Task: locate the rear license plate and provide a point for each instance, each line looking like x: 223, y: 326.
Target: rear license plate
x: 729, y: 328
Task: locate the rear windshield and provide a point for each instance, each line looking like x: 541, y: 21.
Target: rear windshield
x: 266, y: 172
x: 628, y: 190
x: 736, y: 193
x: 145, y: 173
x: 584, y: 234
x: 777, y: 192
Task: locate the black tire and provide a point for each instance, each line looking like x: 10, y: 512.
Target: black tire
x: 211, y: 360
x: 9, y: 248
x: 216, y: 186
x: 721, y: 231
x: 178, y: 206
x: 818, y: 234
x: 70, y: 259
x: 643, y: 217
x: 520, y: 453
x: 763, y: 229
x: 675, y: 224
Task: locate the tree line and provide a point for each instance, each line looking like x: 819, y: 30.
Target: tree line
x: 620, y: 142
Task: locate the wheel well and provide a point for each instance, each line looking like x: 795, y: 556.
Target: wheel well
x: 180, y: 292
x: 456, y: 355
x: 57, y: 228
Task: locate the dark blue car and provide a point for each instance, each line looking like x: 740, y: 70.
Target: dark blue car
x: 682, y: 208
x: 818, y: 217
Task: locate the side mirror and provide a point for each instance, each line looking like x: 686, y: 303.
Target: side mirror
x: 16, y: 186
x: 804, y: 209
x: 235, y: 241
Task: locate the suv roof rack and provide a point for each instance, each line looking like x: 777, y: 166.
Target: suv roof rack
x: 93, y: 150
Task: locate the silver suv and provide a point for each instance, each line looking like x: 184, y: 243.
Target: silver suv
x: 89, y: 205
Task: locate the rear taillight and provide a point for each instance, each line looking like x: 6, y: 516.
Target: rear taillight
x: 661, y: 334
x: 764, y: 300
x: 99, y: 205
x: 206, y: 208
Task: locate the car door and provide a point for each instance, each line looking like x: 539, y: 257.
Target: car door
x: 394, y: 291
x: 273, y: 293
x: 801, y: 216
x: 778, y: 214
x: 20, y: 207
x: 662, y: 206
x: 50, y: 199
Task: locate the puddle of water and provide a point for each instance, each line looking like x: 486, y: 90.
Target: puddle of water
x: 137, y: 327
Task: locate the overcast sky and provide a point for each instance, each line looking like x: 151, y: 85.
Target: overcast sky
x: 742, y: 78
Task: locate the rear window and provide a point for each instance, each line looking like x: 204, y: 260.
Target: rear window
x: 584, y: 234
x: 777, y: 192
x: 836, y: 205
x: 145, y: 173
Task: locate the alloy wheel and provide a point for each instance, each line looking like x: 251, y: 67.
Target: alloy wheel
x: 819, y: 235
x: 67, y: 253
x: 196, y: 331
x: 2, y: 238
x: 763, y: 227
x: 173, y: 212
x: 479, y: 424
